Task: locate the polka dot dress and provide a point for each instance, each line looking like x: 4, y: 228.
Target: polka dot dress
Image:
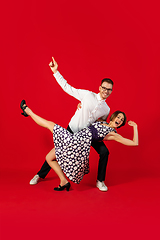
x: 72, y: 150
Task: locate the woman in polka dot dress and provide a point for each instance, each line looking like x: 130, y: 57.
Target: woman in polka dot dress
x: 72, y: 150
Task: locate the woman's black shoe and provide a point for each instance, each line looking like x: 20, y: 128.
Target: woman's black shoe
x: 61, y: 188
x: 23, y: 108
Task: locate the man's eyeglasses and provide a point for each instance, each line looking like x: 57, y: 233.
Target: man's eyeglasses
x: 107, y: 89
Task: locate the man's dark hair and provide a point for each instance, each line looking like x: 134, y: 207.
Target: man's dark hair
x: 108, y: 80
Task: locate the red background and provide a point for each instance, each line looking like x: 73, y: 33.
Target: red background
x: 90, y: 40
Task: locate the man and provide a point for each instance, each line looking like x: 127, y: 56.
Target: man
x: 93, y: 107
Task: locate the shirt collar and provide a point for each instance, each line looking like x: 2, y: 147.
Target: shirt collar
x: 99, y: 98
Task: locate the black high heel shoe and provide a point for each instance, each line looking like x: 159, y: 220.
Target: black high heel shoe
x: 23, y: 108
x: 61, y: 188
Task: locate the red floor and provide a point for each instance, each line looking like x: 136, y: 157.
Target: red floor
x: 129, y: 210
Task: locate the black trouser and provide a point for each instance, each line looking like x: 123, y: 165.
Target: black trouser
x: 103, y: 152
x: 100, y: 148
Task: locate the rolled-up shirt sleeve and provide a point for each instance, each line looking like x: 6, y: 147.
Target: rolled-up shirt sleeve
x: 76, y: 93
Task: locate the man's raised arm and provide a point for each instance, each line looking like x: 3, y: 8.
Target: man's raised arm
x: 76, y: 93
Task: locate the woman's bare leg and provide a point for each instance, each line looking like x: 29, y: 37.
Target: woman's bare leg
x: 40, y: 121
x: 51, y: 159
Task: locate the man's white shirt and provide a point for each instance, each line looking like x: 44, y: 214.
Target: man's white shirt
x: 93, y: 107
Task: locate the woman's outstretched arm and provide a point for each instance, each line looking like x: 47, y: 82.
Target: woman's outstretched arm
x: 118, y: 138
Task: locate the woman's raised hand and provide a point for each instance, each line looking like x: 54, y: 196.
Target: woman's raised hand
x: 132, y: 124
x: 53, y: 65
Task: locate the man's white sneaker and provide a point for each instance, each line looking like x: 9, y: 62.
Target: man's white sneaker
x: 101, y: 186
x: 34, y: 180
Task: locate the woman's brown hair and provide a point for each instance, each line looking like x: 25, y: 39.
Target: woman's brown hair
x: 115, y: 114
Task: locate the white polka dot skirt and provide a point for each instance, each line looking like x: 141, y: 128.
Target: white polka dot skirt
x: 72, y: 150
